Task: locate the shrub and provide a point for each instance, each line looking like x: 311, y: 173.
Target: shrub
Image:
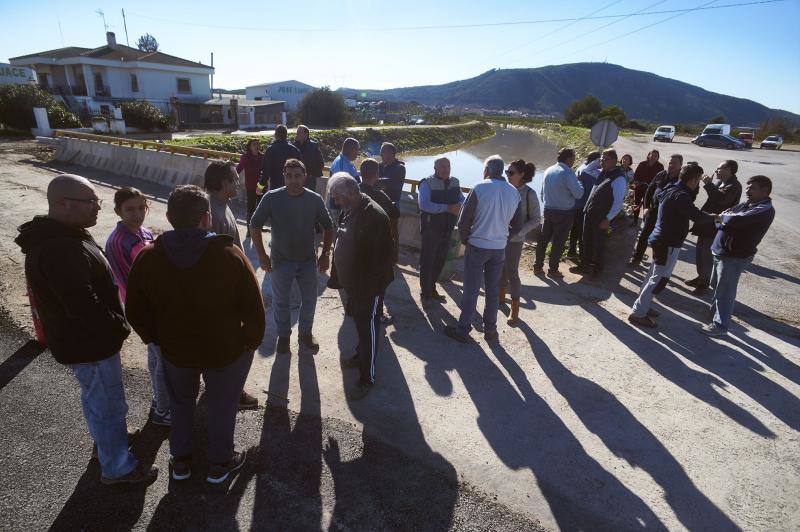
x: 323, y: 108
x: 144, y: 115
x: 17, y: 103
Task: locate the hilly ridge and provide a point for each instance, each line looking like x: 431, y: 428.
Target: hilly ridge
x: 550, y: 89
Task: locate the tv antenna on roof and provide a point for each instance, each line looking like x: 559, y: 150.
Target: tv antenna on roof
x: 103, y: 16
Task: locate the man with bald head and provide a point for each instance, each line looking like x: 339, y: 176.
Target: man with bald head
x: 84, y: 324
x: 440, y: 199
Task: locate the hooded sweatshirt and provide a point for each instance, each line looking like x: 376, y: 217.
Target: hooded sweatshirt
x: 77, y: 298
x: 195, y: 295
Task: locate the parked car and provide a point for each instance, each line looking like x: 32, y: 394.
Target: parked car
x: 664, y: 133
x: 773, y: 142
x: 715, y: 140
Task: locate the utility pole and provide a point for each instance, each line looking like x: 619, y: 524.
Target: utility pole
x: 103, y: 16
x: 212, y: 74
x: 125, y: 23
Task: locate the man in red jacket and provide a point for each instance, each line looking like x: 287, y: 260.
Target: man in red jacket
x: 645, y: 172
x: 195, y: 295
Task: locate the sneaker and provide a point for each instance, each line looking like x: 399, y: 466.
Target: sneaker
x: 247, y: 401
x: 283, y: 345
x: 645, y: 321
x: 359, y: 391
x: 456, y: 334
x: 491, y: 336
x: 181, y: 469
x: 132, y: 435
x: 713, y: 330
x: 538, y: 270
x: 700, y: 289
x: 352, y: 362
x: 162, y: 419
x: 555, y: 274
x: 634, y: 262
x: 653, y: 313
x: 308, y: 341
x: 217, y: 474
x: 573, y: 255
x: 692, y: 282
x: 583, y: 270
x: 141, y: 473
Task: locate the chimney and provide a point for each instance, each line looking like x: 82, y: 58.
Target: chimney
x: 112, y: 40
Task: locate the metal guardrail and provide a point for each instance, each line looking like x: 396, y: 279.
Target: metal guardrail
x: 183, y: 150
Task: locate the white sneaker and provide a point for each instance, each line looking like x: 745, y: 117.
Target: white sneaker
x: 713, y: 330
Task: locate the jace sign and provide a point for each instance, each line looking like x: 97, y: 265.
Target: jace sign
x: 14, y: 75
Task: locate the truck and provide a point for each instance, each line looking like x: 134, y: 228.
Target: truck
x: 717, y: 129
x: 747, y: 135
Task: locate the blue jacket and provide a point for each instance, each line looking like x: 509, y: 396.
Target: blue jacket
x: 741, y: 229
x: 676, y: 208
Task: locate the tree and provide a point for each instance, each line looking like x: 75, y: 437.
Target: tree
x: 719, y: 119
x: 614, y: 113
x: 147, y: 43
x: 588, y: 105
x: 323, y: 108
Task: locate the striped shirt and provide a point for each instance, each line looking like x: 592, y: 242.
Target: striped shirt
x: 122, y: 247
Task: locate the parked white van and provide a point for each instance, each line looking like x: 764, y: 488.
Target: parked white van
x: 717, y: 129
x: 664, y: 133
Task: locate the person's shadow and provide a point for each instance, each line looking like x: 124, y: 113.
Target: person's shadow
x: 383, y: 488
x: 605, y: 416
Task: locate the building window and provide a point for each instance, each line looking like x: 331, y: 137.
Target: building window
x: 44, y: 80
x: 134, y: 83
x: 184, y: 85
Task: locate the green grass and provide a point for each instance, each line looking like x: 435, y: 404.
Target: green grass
x: 404, y: 138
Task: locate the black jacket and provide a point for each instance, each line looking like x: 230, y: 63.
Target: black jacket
x: 392, y: 179
x: 374, y: 260
x: 661, y: 181
x: 312, y: 158
x: 721, y: 196
x: 274, y: 158
x: 675, y: 209
x: 74, y: 289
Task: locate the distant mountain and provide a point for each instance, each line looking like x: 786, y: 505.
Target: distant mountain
x: 550, y: 89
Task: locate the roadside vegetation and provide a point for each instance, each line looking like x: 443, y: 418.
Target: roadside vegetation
x: 404, y: 138
x: 17, y: 103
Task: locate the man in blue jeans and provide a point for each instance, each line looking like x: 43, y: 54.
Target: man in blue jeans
x: 294, y: 212
x: 491, y: 214
x: 84, y: 325
x: 740, y: 230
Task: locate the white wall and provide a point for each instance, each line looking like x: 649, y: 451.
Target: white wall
x: 154, y: 84
x: 290, y: 92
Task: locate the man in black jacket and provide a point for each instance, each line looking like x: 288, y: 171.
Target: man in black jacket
x: 722, y: 195
x: 84, y: 324
x: 274, y: 158
x: 312, y: 156
x: 363, y: 266
x: 662, y: 180
x: 392, y: 172
x: 740, y: 230
x: 675, y: 209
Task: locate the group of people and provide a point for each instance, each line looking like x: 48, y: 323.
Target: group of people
x: 192, y: 296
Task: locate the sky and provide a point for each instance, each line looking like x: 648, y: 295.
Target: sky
x: 748, y: 51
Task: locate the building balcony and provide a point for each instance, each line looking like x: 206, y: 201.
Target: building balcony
x: 102, y: 91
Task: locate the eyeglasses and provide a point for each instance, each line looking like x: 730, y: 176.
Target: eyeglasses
x: 91, y: 201
x: 510, y: 172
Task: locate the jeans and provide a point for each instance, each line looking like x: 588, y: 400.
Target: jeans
x: 555, y: 228
x: 576, y: 232
x: 104, y: 407
x: 593, y: 245
x: 487, y: 265
x: 511, y: 269
x: 223, y: 387
x: 648, y: 225
x: 155, y: 365
x: 725, y: 280
x: 703, y: 259
x: 664, y: 260
x: 284, y: 273
x: 367, y: 317
x: 252, y: 203
x: 432, y: 258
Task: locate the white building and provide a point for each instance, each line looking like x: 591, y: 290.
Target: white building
x: 291, y: 92
x: 95, y: 79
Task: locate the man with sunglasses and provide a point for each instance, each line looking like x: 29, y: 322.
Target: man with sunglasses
x: 84, y: 325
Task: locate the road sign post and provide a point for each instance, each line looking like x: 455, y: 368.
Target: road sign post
x: 604, y: 133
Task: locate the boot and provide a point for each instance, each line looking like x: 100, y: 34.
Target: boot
x: 502, y: 297
x: 513, y: 317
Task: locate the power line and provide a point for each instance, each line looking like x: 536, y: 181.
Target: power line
x: 704, y: 7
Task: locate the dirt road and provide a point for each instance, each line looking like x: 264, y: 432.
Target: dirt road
x: 576, y: 420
